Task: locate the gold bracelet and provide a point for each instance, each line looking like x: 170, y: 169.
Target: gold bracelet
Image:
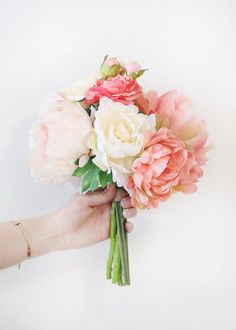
x: 19, y: 225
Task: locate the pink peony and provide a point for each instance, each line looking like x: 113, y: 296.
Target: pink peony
x: 173, y: 110
x: 57, y: 140
x: 120, y: 89
x: 157, y: 170
x: 147, y: 103
x: 192, y: 170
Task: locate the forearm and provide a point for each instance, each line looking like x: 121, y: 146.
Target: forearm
x: 42, y: 233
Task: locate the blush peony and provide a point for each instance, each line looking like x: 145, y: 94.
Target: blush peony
x: 120, y: 89
x: 173, y: 110
x: 157, y: 170
x: 77, y: 91
x: 57, y: 140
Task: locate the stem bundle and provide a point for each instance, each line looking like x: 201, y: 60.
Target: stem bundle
x: 118, y: 261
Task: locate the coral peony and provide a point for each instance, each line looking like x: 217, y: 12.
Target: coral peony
x: 57, y: 140
x: 157, y: 170
x: 120, y: 89
x: 192, y: 170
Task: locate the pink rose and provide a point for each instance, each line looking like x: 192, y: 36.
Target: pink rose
x: 57, y: 140
x: 133, y: 67
x: 157, y: 170
x: 120, y: 89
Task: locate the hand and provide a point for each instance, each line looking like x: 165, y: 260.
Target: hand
x: 85, y: 219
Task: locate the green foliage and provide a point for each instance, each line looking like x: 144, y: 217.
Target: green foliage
x: 81, y: 170
x: 139, y: 74
x: 93, y: 176
x: 104, y: 178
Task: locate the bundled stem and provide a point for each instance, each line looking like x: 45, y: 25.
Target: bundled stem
x: 113, y: 230
x: 118, y: 261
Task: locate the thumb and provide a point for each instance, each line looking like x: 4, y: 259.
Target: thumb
x: 101, y: 197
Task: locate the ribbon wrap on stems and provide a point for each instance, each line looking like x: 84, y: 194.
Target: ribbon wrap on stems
x: 118, y: 261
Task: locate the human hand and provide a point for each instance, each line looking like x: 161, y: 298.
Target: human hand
x: 85, y: 219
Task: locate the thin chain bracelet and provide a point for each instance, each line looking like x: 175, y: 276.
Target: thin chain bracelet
x: 29, y: 251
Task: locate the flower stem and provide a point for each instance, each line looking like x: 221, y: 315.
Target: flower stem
x: 113, y: 230
x: 118, y: 260
x: 123, y: 243
x: 117, y: 265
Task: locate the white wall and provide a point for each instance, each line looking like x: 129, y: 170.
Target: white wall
x: 182, y: 254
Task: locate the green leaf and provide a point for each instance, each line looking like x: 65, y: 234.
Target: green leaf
x: 104, y: 178
x: 93, y: 176
x: 122, y: 71
x: 96, y: 105
x: 94, y: 183
x: 139, y: 74
x: 85, y: 184
x: 91, y: 179
x: 88, y: 110
x: 81, y: 170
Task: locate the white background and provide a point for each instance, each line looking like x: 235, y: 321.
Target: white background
x: 182, y: 254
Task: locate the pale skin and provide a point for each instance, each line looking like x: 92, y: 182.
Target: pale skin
x: 84, y: 220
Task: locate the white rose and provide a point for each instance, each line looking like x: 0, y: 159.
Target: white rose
x: 77, y: 91
x: 57, y: 140
x: 120, y: 131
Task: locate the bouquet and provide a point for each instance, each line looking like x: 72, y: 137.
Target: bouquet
x: 106, y: 129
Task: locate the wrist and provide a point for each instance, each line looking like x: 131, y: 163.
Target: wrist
x: 44, y: 234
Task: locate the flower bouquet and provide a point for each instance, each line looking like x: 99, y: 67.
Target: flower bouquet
x: 107, y: 129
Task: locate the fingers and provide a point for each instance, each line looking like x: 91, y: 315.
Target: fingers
x: 101, y: 197
x: 130, y: 213
x: 129, y: 227
x: 129, y: 210
x: 121, y: 194
x: 126, y: 203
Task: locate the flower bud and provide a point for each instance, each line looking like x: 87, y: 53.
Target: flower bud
x: 133, y: 70
x: 133, y: 67
x: 111, y: 61
x: 110, y: 67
